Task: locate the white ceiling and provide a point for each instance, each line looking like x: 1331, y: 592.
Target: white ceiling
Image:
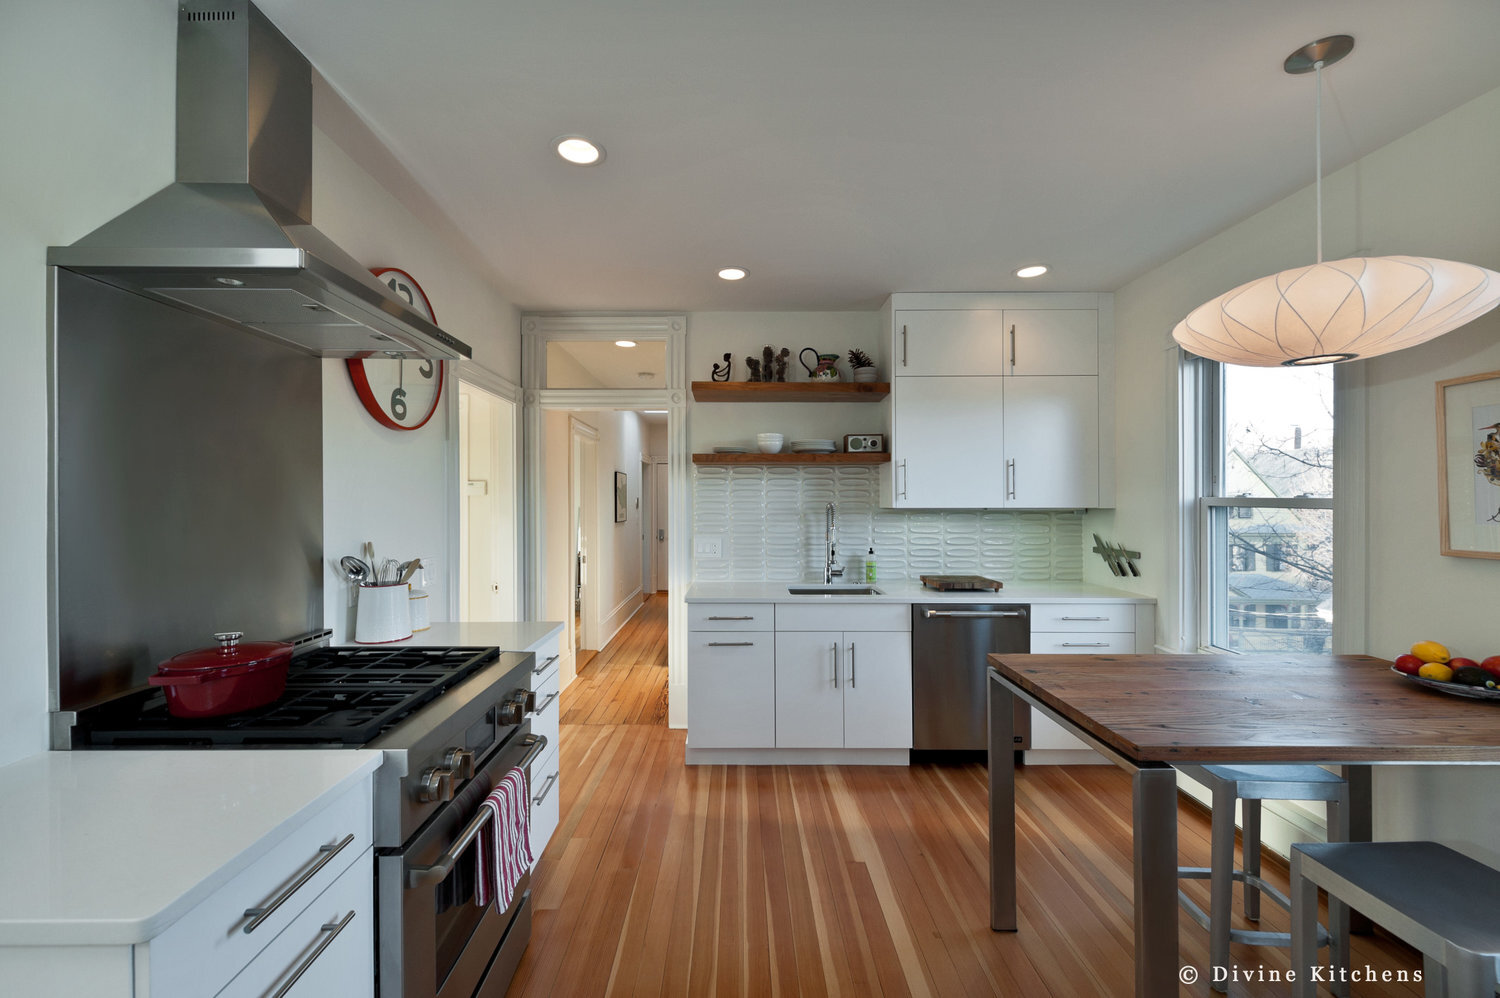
x: 843, y: 149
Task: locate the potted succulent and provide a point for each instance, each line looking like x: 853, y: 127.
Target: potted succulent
x: 864, y: 367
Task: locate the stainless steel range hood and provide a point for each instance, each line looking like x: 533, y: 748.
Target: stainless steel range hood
x: 232, y: 238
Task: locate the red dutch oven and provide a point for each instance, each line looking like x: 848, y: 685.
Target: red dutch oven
x: 207, y: 682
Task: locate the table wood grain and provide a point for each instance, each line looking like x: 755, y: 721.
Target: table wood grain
x: 1257, y: 708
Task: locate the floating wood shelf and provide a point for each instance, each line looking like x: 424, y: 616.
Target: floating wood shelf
x: 857, y: 458
x: 789, y: 391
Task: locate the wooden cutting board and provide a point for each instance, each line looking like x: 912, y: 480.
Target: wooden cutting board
x: 959, y: 583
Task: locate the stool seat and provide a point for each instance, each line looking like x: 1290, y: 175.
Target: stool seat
x: 1274, y: 778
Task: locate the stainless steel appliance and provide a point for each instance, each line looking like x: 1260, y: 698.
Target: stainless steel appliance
x: 451, y: 722
x: 949, y: 642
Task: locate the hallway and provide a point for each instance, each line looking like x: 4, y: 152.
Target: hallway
x: 626, y: 683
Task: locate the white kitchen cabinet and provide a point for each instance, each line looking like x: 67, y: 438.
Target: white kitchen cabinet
x: 1083, y: 629
x: 842, y: 689
x: 991, y: 341
x: 1051, y: 431
x: 546, y: 678
x: 731, y: 676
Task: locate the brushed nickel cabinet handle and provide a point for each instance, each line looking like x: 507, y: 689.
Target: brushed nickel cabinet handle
x: 544, y: 666
x: 1082, y: 618
x: 542, y: 709
x: 1013, y: 347
x: 1084, y: 644
x: 259, y: 915
x: 730, y: 644
x: 732, y: 618
x: 834, y: 648
x: 333, y: 929
x: 851, y: 665
x: 903, y: 346
x: 546, y: 789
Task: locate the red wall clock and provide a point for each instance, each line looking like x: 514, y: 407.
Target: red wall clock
x: 401, y: 392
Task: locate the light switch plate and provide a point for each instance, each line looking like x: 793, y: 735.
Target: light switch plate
x: 708, y: 546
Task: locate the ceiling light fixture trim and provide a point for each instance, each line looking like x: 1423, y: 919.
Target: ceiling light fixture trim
x: 1342, y: 310
x: 624, y: 343
x: 578, y: 150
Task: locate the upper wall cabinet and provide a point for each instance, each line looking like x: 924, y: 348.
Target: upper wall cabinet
x: 1002, y: 401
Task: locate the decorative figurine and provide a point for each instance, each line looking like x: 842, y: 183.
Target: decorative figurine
x: 767, y: 357
x: 781, y: 363
x: 753, y: 366
x: 721, y: 373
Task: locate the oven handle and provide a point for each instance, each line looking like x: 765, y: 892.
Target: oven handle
x: 974, y: 613
x: 417, y: 876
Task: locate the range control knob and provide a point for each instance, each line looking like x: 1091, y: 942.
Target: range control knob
x: 435, y: 784
x: 513, y: 710
x: 460, y: 761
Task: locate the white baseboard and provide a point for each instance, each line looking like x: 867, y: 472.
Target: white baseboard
x: 798, y: 757
x: 1064, y: 757
x: 621, y: 615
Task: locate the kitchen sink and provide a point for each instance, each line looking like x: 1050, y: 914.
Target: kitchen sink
x: 834, y: 589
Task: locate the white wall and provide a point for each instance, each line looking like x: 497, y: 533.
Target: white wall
x: 1430, y: 193
x: 621, y: 446
x: 89, y: 121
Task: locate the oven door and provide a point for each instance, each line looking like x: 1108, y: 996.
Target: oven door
x: 434, y: 941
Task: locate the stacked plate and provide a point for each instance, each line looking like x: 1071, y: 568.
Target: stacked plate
x: 731, y: 450
x: 813, y: 447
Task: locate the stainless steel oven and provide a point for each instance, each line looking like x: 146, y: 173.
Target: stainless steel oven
x: 449, y: 947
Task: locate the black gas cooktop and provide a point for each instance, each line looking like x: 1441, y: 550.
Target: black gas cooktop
x: 341, y: 696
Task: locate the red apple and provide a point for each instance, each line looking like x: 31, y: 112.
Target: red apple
x: 1458, y: 663
x: 1491, y: 665
x: 1409, y: 664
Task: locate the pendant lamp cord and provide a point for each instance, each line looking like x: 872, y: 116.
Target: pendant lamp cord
x: 1318, y: 153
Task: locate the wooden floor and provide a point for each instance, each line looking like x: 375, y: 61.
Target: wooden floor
x: 665, y: 879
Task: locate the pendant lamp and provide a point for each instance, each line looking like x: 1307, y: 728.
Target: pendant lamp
x: 1344, y: 309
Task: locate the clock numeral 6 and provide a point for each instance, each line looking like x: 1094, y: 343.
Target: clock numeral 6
x: 398, y: 404
x: 426, y: 369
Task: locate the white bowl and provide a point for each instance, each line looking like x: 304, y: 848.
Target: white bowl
x: 769, y: 443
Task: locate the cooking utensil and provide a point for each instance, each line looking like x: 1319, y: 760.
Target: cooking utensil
x: 230, y: 678
x: 355, y: 569
x: 409, y: 569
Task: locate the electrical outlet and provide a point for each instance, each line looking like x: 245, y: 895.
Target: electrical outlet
x: 708, y: 546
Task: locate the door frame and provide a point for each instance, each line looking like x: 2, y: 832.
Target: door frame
x: 536, y: 331
x: 468, y: 372
x: 582, y: 626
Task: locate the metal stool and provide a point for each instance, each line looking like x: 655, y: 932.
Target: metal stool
x: 1253, y: 784
x: 1438, y: 900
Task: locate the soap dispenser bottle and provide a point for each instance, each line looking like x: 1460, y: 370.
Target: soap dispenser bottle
x: 870, y: 567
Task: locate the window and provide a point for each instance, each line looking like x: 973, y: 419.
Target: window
x: 1265, y: 518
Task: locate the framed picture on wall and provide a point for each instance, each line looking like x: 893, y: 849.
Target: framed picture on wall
x: 619, y: 497
x: 1468, y: 427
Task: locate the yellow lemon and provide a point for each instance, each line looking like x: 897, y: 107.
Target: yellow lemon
x: 1430, y: 651
x: 1436, y: 670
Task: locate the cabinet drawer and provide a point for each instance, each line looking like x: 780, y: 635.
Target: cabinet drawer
x: 730, y: 616
x: 546, y: 661
x: 731, y: 690
x: 843, y: 617
x: 342, y: 921
x: 1047, y: 734
x: 1082, y: 643
x: 545, y: 798
x: 544, y: 719
x: 199, y: 952
x: 1082, y: 617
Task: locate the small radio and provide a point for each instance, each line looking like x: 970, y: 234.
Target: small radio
x: 864, y: 443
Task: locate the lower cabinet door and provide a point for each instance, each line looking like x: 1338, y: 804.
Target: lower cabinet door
x: 731, y: 689
x: 877, y: 690
x: 545, y: 810
x: 810, y: 689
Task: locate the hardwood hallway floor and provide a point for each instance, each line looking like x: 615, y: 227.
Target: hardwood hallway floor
x: 665, y: 879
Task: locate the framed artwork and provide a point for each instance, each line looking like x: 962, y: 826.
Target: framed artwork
x: 620, y: 497
x: 1468, y: 426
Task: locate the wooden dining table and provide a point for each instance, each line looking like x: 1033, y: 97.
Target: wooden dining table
x: 1147, y: 713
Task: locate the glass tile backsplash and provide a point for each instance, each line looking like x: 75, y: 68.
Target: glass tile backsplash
x: 771, y: 522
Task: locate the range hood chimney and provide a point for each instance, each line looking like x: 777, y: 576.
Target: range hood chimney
x: 232, y: 238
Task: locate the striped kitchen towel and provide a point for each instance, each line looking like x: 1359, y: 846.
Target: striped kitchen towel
x: 503, y: 855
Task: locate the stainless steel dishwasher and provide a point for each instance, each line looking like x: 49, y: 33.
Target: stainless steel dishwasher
x: 949, y: 642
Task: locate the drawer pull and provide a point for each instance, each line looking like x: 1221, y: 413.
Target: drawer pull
x: 259, y: 915
x: 731, y: 618
x: 730, y: 644
x: 544, y: 666
x: 1082, y: 618
x: 333, y: 929
x: 1084, y: 644
x: 546, y: 789
x: 542, y: 708
x: 929, y: 614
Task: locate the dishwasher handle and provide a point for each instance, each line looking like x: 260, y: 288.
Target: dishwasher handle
x: 973, y: 613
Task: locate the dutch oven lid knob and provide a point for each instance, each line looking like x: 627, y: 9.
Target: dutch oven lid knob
x: 228, y: 639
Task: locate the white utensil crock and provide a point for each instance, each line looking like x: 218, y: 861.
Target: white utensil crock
x: 383, y: 613
x: 420, y: 620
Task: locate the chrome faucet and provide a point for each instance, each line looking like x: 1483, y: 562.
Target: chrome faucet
x: 831, y: 566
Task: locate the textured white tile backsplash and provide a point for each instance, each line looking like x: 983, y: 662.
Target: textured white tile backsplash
x: 771, y: 519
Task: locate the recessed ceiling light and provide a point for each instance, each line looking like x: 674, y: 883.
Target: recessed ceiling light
x: 734, y: 273
x: 1035, y: 270
x: 655, y: 412
x: 624, y: 343
x: 579, y: 150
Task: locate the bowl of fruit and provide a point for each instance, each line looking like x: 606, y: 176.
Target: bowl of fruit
x: 1429, y: 664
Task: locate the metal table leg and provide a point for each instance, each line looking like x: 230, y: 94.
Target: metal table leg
x: 1003, y: 807
x: 1155, y: 833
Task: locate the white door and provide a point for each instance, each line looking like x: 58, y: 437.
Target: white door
x: 1052, y: 438
x: 1052, y: 341
x: 487, y: 506
x: 947, y: 441
x: 584, y: 504
x: 950, y: 341
x: 810, y: 690
x: 877, y: 690
x: 659, y: 499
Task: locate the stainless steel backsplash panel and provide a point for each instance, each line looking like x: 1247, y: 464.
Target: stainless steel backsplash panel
x: 187, y: 487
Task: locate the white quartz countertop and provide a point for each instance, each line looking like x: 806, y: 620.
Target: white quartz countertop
x: 904, y: 591
x: 521, y: 635
x: 103, y: 847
